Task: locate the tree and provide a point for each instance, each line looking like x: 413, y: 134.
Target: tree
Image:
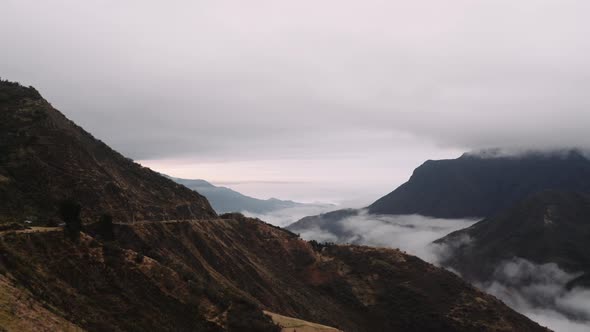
x: 105, y: 227
x: 70, y: 213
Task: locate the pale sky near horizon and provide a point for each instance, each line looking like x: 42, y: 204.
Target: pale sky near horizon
x: 329, y: 100
x: 346, y: 181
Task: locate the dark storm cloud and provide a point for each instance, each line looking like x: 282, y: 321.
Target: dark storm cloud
x: 222, y: 78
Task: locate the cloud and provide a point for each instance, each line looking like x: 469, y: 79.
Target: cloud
x: 219, y: 79
x: 411, y: 233
x: 285, y: 217
x: 369, y: 89
x: 539, y: 291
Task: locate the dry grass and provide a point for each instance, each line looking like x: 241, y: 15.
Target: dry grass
x: 19, y: 311
x: 290, y: 324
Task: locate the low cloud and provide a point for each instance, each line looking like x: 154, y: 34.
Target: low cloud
x: 537, y: 291
x: 285, y: 217
x: 540, y: 292
x: 411, y: 233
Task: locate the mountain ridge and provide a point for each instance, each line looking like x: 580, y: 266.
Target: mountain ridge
x: 476, y: 186
x: 46, y: 158
x: 183, y: 267
x: 225, y: 200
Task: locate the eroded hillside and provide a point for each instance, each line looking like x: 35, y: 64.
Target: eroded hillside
x: 220, y: 274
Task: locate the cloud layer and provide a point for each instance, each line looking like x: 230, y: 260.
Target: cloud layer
x: 540, y: 292
x: 388, y: 83
x: 220, y: 78
x: 411, y: 233
x: 285, y: 217
x: 537, y: 291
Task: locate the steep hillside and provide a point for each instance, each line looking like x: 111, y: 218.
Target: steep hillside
x: 220, y: 274
x: 21, y: 311
x: 475, y: 186
x: 45, y: 158
x: 225, y: 200
x: 546, y: 227
x: 203, y: 274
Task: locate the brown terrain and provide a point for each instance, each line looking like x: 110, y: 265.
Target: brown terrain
x: 183, y: 268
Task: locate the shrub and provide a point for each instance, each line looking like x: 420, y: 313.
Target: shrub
x: 105, y: 227
x: 319, y: 246
x: 139, y: 258
x: 70, y: 213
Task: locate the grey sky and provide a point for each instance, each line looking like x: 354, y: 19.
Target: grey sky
x: 352, y: 94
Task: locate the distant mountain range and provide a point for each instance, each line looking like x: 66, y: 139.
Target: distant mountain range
x: 226, y: 200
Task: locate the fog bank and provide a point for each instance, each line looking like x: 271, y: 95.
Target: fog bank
x: 535, y: 290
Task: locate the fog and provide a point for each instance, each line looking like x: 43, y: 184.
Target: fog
x: 285, y: 217
x: 383, y: 82
x: 537, y: 291
x: 267, y: 70
x: 411, y: 233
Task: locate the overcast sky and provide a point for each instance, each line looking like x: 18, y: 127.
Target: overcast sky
x: 309, y: 100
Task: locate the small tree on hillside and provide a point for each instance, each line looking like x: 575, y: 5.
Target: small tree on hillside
x: 105, y: 227
x: 70, y: 213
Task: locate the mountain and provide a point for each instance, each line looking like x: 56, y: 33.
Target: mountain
x: 481, y: 186
x: 546, y: 227
x: 327, y: 222
x: 226, y: 200
x: 219, y: 274
x: 46, y: 158
x: 204, y: 273
x: 474, y: 185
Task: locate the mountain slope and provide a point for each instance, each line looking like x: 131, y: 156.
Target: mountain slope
x: 226, y: 200
x: 190, y: 275
x: 45, y: 158
x: 204, y: 274
x: 547, y: 227
x: 475, y: 186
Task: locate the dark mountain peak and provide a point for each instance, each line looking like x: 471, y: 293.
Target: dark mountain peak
x: 46, y: 158
x: 476, y: 185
